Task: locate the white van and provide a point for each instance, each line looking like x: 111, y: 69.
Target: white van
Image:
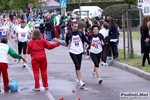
x: 88, y: 11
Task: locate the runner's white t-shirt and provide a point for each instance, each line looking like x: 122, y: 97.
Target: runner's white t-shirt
x: 98, y: 47
x: 76, y: 46
x: 23, y: 33
x: 4, y: 29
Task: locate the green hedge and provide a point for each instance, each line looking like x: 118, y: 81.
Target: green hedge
x: 115, y: 11
x: 103, y: 5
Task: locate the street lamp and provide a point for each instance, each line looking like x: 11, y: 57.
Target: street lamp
x: 140, y: 11
x: 80, y: 8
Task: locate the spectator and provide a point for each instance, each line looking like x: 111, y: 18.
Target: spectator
x: 113, y: 35
x: 145, y: 41
x: 4, y: 51
x: 36, y: 49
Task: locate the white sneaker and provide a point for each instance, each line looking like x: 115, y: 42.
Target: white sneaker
x: 76, y: 78
x: 106, y: 64
x: 93, y: 74
x: 102, y: 63
x: 24, y: 65
x: 87, y: 57
x: 82, y: 84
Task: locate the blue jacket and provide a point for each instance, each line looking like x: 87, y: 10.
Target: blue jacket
x: 113, y: 32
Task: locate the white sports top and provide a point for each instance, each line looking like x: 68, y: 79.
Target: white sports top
x: 98, y: 47
x: 76, y: 46
x: 23, y: 33
x: 4, y: 29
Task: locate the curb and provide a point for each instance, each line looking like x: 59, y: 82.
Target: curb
x: 131, y: 69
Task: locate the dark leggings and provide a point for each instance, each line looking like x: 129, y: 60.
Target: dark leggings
x: 76, y: 58
x: 114, y: 48
x: 105, y: 52
x: 22, y: 45
x: 146, y: 55
x: 95, y: 58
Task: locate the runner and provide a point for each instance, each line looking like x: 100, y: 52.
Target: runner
x: 31, y: 24
x: 97, y: 40
x: 21, y: 34
x: 3, y: 29
x: 76, y: 39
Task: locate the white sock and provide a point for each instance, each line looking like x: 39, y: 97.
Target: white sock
x: 99, y: 79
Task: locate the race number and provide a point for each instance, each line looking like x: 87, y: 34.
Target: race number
x: 23, y: 35
x: 77, y: 44
x: 96, y: 46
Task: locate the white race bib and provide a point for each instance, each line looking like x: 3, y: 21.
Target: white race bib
x: 3, y: 33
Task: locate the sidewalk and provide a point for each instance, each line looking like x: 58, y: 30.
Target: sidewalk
x: 132, y: 69
x: 136, y: 46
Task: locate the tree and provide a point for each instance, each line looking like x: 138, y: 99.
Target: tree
x: 19, y: 4
x: 131, y: 2
x: 4, y: 4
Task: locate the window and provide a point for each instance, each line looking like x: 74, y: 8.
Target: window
x: 42, y: 0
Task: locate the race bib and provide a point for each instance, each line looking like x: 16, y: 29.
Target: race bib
x: 76, y: 41
x: 3, y: 33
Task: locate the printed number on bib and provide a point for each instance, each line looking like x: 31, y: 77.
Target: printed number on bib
x: 23, y: 35
x: 96, y: 46
x: 76, y: 44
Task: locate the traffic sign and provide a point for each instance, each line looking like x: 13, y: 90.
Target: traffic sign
x: 146, y: 7
x: 63, y: 3
x: 140, y: 3
x: 30, y: 5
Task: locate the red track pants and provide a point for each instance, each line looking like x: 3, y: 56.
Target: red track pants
x: 57, y: 31
x: 3, y: 71
x: 40, y: 65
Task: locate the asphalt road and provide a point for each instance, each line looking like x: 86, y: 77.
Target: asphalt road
x: 61, y: 80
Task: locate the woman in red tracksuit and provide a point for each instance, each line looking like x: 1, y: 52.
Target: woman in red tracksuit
x: 36, y: 48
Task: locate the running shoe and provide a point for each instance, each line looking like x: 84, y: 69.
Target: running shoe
x: 100, y: 81
x: 87, y: 57
x: 36, y: 89
x: 82, y: 84
x: 102, y: 63
x: 24, y: 65
x: 46, y: 88
x: 6, y: 89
